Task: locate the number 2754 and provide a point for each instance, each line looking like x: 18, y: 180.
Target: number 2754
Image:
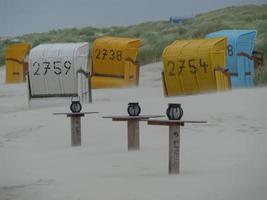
x: 183, y: 64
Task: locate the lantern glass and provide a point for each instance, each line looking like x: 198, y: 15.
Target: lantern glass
x: 133, y: 109
x: 174, y: 111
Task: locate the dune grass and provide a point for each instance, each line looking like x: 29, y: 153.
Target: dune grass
x: 157, y: 35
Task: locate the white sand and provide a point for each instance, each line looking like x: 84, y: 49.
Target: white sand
x: 225, y: 159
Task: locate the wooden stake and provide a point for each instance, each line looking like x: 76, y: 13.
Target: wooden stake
x: 174, y: 149
x: 75, y: 130
x: 133, y: 134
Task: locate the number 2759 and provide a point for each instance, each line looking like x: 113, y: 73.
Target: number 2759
x: 51, y: 66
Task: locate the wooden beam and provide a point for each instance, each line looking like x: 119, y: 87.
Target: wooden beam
x: 164, y: 123
x: 127, y: 117
x: 170, y: 122
x: 75, y: 114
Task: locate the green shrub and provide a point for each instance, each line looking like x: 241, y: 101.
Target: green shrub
x: 156, y: 36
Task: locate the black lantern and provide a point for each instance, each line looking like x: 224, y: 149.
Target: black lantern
x: 174, y: 111
x: 133, y: 109
x: 75, y: 106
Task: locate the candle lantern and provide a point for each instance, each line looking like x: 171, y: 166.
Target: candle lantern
x: 75, y: 106
x: 174, y: 111
x: 133, y: 109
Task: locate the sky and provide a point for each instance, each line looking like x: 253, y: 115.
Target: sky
x: 18, y: 17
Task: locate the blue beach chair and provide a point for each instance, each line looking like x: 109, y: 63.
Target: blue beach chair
x: 240, y: 45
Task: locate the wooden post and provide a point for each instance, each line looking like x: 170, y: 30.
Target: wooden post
x: 174, y: 149
x: 90, y: 87
x: 133, y: 127
x: 75, y: 130
x: 75, y: 124
x: 174, y: 141
x: 133, y: 134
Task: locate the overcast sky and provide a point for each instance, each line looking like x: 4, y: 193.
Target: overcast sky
x: 18, y: 17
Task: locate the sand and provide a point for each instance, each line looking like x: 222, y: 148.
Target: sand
x: 223, y: 159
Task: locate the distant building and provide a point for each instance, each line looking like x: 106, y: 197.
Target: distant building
x: 179, y: 20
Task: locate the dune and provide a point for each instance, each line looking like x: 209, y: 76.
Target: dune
x: 223, y: 159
